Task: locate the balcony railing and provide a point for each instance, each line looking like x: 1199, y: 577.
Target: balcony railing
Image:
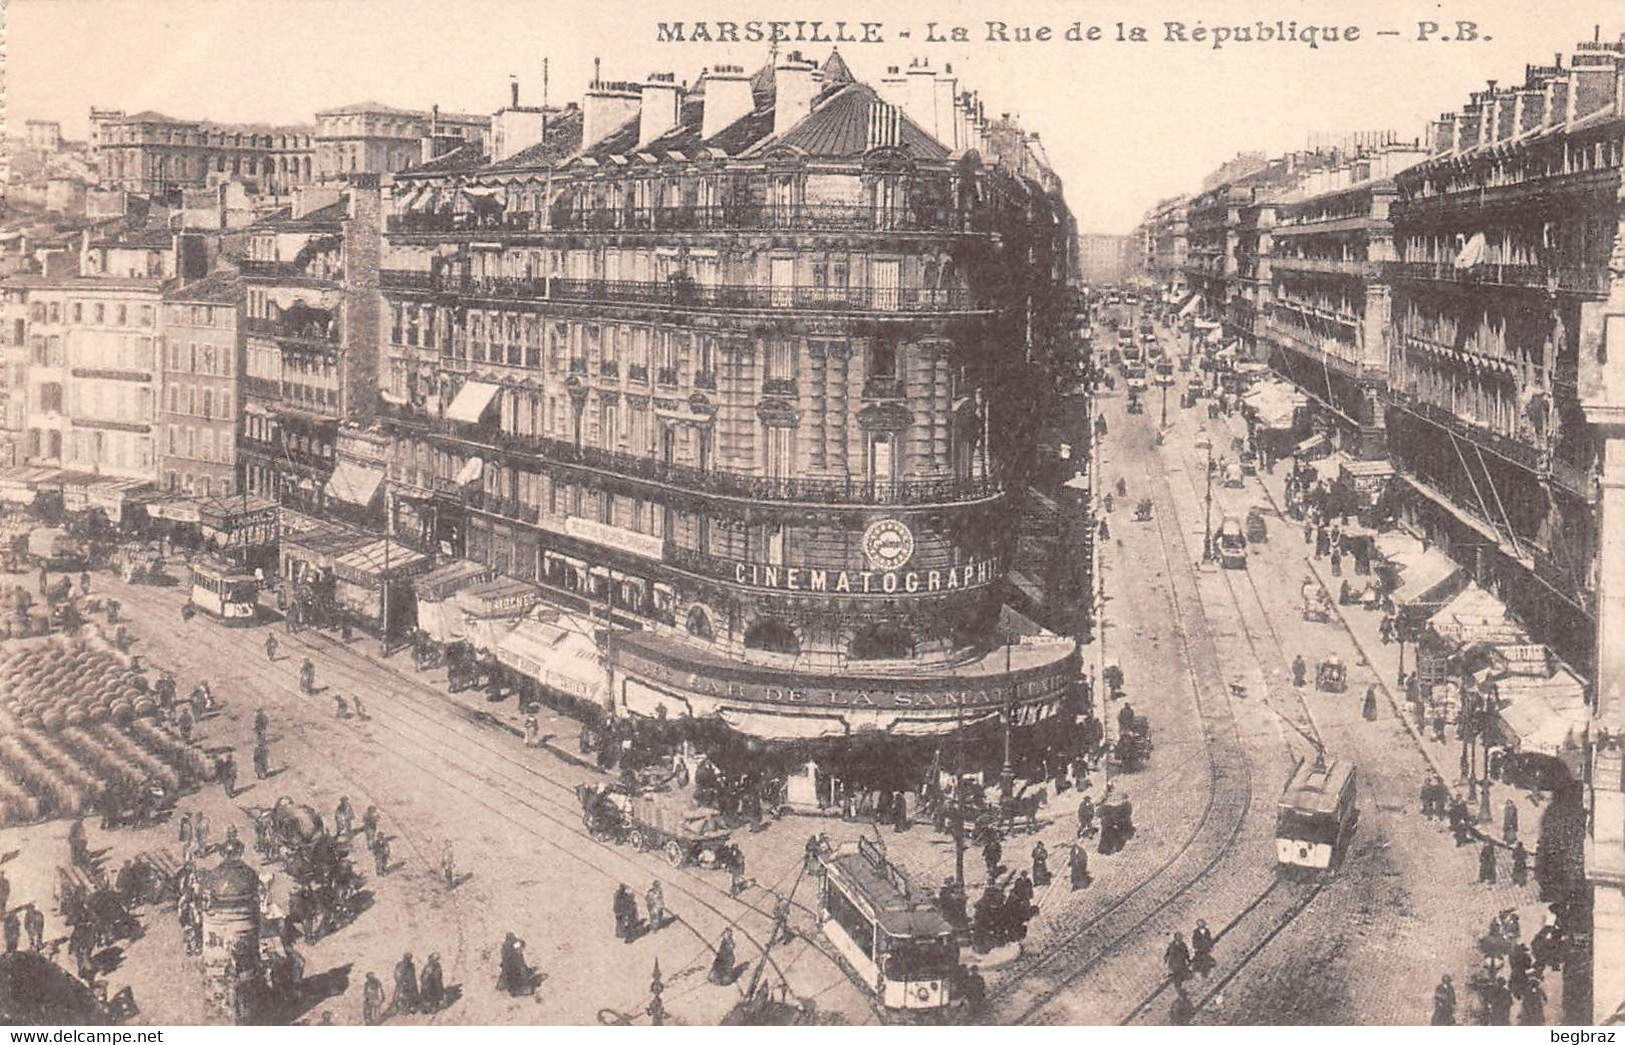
x: 708, y: 481
x: 637, y: 373
x: 578, y: 366
x: 685, y: 293
x: 1525, y: 455
x: 706, y: 380
x: 923, y: 217
x: 281, y: 328
x: 609, y: 368
x: 1326, y: 266
x: 282, y: 270
x: 1575, y: 278
x: 883, y: 388
x: 667, y: 376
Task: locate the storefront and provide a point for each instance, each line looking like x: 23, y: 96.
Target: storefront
x: 371, y: 584
x: 438, y: 618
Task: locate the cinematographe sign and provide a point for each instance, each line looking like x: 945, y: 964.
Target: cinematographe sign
x: 866, y: 582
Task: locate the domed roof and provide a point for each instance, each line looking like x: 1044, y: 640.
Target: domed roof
x: 232, y: 882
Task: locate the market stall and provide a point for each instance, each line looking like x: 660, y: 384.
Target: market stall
x: 557, y: 652
x: 440, y: 620
x: 1544, y: 718
x: 364, y: 576
x: 489, y: 609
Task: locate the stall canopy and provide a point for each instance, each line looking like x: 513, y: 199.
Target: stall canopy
x: 1275, y: 404
x: 559, y: 653
x: 1426, y: 576
x: 355, y: 483
x: 501, y: 597
x: 1474, y: 616
x: 176, y: 509
x: 243, y: 520
x: 1544, y: 716
x: 1313, y: 445
x: 379, y: 560
x: 448, y: 578
x: 322, y: 547
x: 21, y: 485
x: 471, y: 402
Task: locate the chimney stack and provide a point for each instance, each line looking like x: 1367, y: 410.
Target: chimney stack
x: 945, y: 121
x: 727, y: 98
x: 793, y: 91
x: 513, y: 93
x: 607, y: 107
x: 657, y: 113
x: 920, y: 100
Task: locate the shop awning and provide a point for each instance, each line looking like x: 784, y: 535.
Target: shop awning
x: 1314, y: 444
x: 448, y: 578
x: 471, y: 402
x: 355, y: 483
x: 381, y: 558
x: 559, y: 657
x: 1275, y: 404
x: 1544, y: 716
x: 470, y: 472
x: 1425, y: 577
x: 176, y: 509
x: 1475, y: 615
x: 501, y: 597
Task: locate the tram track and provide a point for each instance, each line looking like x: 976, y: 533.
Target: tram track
x: 1229, y: 798
x: 394, y: 714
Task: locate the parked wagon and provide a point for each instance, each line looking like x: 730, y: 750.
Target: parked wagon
x: 1134, y: 745
x: 1317, y: 605
x: 1331, y: 676
x: 683, y: 832
x: 1257, y: 529
x: 139, y: 563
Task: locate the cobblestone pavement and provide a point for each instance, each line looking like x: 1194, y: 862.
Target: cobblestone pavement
x: 438, y: 773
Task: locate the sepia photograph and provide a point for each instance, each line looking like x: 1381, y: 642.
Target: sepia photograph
x: 926, y: 514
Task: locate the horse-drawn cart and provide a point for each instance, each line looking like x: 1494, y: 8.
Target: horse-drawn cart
x: 683, y: 832
x: 1133, y: 747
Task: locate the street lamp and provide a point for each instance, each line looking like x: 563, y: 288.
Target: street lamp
x: 1007, y: 773
x: 1205, y: 442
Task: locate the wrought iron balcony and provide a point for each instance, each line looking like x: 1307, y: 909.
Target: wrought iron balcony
x: 315, y: 333
x: 883, y: 388
x: 284, y: 270
x: 535, y: 449
x: 1325, y: 266
x: 578, y: 365
x: 667, y: 376
x: 706, y: 380
x: 609, y: 368
x: 922, y: 216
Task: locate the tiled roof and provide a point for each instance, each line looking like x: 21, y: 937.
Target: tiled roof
x: 466, y: 157
x: 839, y: 126
x: 219, y: 288
x: 368, y: 107
x: 149, y: 116
x: 562, y: 140
x: 623, y: 139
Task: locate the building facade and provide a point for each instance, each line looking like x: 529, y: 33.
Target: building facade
x: 201, y: 358
x: 1107, y: 259
x: 747, y: 366
x: 154, y: 154
x: 370, y: 138
x: 311, y: 340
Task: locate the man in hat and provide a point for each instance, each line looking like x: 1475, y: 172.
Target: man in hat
x: 1486, y: 863
x: 372, y: 1001
x: 1444, y: 1003
x: 1078, y: 865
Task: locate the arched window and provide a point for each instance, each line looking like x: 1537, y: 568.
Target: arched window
x: 882, y: 642
x: 772, y: 635
x: 699, y: 624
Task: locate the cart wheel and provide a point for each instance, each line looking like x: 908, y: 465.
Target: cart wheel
x: 675, y: 854
x: 637, y: 841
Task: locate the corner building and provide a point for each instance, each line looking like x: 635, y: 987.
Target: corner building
x: 755, y: 367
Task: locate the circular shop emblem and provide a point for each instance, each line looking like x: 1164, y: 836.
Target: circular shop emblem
x: 888, y: 544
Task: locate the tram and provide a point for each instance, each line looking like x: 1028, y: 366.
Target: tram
x: 895, y: 940
x: 1316, y: 814
x: 1232, y: 544
x: 224, y: 592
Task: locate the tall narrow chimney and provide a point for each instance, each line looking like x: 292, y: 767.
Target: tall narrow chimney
x: 793, y: 91
x: 657, y: 114
x: 920, y: 100
x: 727, y: 98
x: 513, y: 84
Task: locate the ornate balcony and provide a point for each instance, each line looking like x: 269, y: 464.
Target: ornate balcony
x: 281, y: 329
x: 667, y: 376
x: 1577, y: 279
x: 685, y: 293
x: 609, y: 368
x: 637, y: 373
x: 883, y: 388
x: 779, y: 386
x: 1359, y: 268
x: 919, y: 217
x: 856, y: 492
x: 706, y: 380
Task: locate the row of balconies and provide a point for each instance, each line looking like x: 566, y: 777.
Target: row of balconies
x: 1581, y: 279
x: 315, y: 333
x: 722, y: 217
x: 531, y: 450
x: 1358, y: 267
x: 281, y: 270
x: 682, y: 292
x: 1525, y: 455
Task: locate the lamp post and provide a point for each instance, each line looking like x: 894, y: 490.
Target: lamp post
x: 1007, y: 773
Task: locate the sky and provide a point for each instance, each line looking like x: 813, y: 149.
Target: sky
x: 1124, y: 123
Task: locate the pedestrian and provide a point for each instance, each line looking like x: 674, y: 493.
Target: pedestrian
x: 1438, y: 724
x: 625, y: 910
x: 533, y: 732
x: 369, y: 824
x: 307, y: 676
x: 1520, y: 864
x: 991, y: 852
x: 738, y: 882
x: 270, y: 648
x: 360, y: 711
x: 1202, y: 945
x: 34, y: 925
x: 1041, y: 875
x: 1178, y: 959
x: 431, y: 986
x: 200, y: 834
x: 5, y: 891
x: 1086, y: 817
x: 1519, y: 963
x: 14, y: 931
x: 1486, y: 863
x: 1337, y: 563
x: 228, y: 775
x: 1498, y: 1004
x: 1444, y: 1003
x: 262, y: 759
x: 380, y: 854
x: 1369, y: 711
x: 84, y: 582
x: 448, y: 865
x: 1079, y: 867
x: 1533, y: 1011
x: 372, y: 1001
x: 406, y: 987
x: 344, y: 818
x: 515, y: 977
x: 1299, y: 670
x: 1427, y: 796
x: 722, y: 966
x: 1509, y: 822
x: 183, y: 722
x: 654, y: 900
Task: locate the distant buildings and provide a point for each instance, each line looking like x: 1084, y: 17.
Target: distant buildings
x: 154, y: 154
x: 1106, y: 259
x: 369, y: 138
